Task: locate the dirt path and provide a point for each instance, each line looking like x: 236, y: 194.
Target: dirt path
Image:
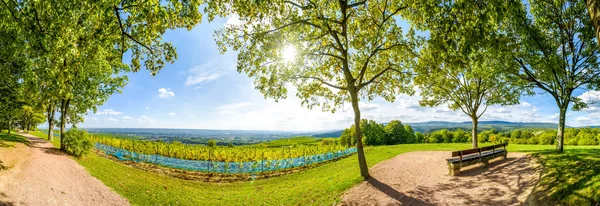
x: 421, y: 178
x: 45, y: 176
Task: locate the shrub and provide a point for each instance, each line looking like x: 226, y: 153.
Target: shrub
x: 212, y: 143
x: 587, y: 139
x: 328, y: 141
x: 572, y: 140
x: 546, y: 139
x: 77, y: 142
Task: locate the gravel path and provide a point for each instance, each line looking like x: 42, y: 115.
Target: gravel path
x: 48, y: 177
x: 421, y: 178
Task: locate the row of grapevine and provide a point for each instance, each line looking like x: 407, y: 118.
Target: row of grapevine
x: 220, y: 154
x: 264, y: 165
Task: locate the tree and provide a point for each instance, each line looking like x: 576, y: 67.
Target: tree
x: 459, y: 136
x: 458, y: 66
x: 419, y: 137
x: 374, y: 133
x: 345, y: 51
x: 554, y: 49
x: 593, y: 7
x: 395, y: 133
x: 409, y: 135
x: 63, y: 36
x: 347, y: 137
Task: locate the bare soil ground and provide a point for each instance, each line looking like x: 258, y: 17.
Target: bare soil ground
x: 42, y: 175
x: 421, y: 178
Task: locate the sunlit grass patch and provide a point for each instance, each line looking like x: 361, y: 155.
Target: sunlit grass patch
x: 571, y: 178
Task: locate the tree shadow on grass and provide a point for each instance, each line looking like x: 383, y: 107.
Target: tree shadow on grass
x: 571, y: 178
x: 12, y: 138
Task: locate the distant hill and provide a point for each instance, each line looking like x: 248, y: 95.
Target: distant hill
x: 483, y: 125
x: 337, y: 133
x: 430, y: 126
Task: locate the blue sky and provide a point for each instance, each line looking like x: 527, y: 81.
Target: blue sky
x: 203, y: 90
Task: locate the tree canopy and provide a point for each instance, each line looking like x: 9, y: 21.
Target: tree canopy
x: 333, y: 52
x: 459, y: 64
x: 554, y: 49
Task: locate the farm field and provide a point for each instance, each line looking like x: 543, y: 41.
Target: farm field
x: 325, y: 184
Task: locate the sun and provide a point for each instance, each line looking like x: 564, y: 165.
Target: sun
x: 289, y: 53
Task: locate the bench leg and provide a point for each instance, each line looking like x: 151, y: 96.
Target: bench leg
x: 486, y: 163
x: 453, y: 170
x: 504, y: 157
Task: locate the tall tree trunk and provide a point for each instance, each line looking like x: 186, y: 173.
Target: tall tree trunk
x: 594, y: 11
x: 474, y: 131
x: 63, y: 117
x: 560, y: 136
x: 50, y: 115
x: 9, y: 124
x: 362, y: 162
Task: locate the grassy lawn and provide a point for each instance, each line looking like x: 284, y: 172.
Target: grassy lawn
x: 9, y: 140
x: 579, y: 166
x: 572, y: 178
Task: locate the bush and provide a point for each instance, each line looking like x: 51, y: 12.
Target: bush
x: 328, y: 141
x: 77, y: 142
x: 587, y: 139
x: 546, y: 139
x: 211, y: 143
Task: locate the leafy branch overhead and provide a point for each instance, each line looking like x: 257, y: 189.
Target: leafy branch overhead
x: 339, y: 48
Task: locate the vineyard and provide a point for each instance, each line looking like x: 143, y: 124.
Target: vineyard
x: 218, y: 153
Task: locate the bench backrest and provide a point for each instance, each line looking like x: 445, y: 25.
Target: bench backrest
x: 477, y: 150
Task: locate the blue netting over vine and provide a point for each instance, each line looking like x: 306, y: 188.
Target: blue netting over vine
x: 224, y: 167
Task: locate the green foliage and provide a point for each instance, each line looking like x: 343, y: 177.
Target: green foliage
x: 373, y: 132
x: 419, y: 137
x: 328, y: 141
x: 377, y: 134
x: 551, y: 55
x: 395, y: 133
x: 211, y: 143
x: 460, y: 136
x: 458, y: 65
x: 344, y: 51
x: 348, y: 138
x: 77, y: 142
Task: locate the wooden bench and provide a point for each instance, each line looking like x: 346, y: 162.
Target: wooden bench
x: 468, y: 157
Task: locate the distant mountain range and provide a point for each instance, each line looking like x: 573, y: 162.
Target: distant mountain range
x: 430, y: 126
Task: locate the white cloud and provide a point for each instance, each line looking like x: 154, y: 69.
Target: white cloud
x: 202, y: 74
x: 113, y: 119
x: 147, y: 107
x: 583, y: 119
x: 554, y: 116
x: 144, y: 119
x: 525, y: 104
x: 127, y: 118
x: 502, y: 110
x: 234, y: 106
x: 367, y: 106
x: 191, y: 115
x: 233, y: 20
x: 172, y: 113
x: 109, y: 112
x: 165, y: 92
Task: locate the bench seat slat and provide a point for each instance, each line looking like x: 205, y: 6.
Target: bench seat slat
x: 466, y: 158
